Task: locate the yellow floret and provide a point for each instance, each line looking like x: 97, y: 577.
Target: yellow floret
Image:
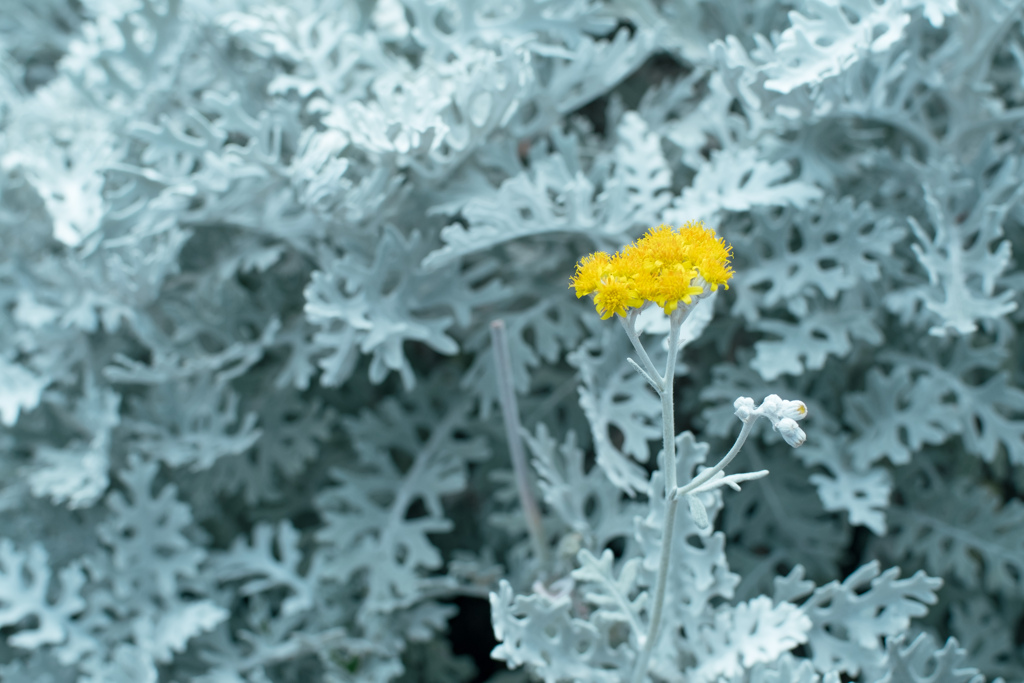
x: 615, y: 295
x: 589, y: 272
x: 675, y: 285
x: 647, y: 286
x: 661, y: 246
x: 709, y: 253
x: 626, y: 264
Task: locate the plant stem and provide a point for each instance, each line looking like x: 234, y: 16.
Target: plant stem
x: 672, y: 497
x: 671, y: 502
x: 705, y: 475
x: 654, y: 628
x: 513, y: 432
x: 668, y: 406
x: 629, y: 324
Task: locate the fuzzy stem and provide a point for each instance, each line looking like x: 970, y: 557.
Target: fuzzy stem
x: 668, y: 406
x: 654, y: 628
x: 671, y: 503
x: 513, y: 432
x: 629, y: 324
x: 705, y: 475
x: 672, y: 495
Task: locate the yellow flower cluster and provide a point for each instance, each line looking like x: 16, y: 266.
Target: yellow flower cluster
x: 666, y: 266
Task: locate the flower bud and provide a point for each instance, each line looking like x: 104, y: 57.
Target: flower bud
x: 744, y: 406
x: 791, y: 432
x: 795, y: 410
x: 770, y: 406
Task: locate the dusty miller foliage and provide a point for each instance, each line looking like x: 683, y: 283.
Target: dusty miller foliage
x: 250, y: 251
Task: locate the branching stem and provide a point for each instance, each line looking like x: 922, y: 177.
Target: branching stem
x: 665, y: 391
x: 673, y: 492
x: 629, y: 324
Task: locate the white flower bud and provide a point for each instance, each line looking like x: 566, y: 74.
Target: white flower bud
x: 770, y: 406
x: 791, y: 432
x: 744, y: 406
x: 775, y: 409
x: 795, y: 410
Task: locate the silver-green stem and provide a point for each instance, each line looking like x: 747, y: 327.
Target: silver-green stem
x: 668, y: 406
x: 673, y: 495
x: 671, y: 502
x: 706, y: 475
x: 513, y: 431
x: 654, y: 628
x: 629, y: 324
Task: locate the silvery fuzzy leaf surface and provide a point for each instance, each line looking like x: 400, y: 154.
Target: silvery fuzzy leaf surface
x: 369, y: 533
x: 742, y: 636
x: 618, y: 398
x: 541, y: 633
x: 26, y: 593
x: 794, y: 348
x: 872, y: 606
x: 927, y: 527
x: 586, y: 502
x: 920, y: 660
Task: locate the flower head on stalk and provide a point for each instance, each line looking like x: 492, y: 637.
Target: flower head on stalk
x: 666, y: 266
